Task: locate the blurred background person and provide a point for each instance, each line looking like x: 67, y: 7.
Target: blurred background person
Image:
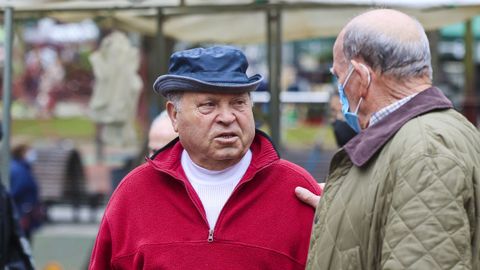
x: 15, y: 251
x: 24, y: 188
x: 342, y: 131
x: 161, y: 133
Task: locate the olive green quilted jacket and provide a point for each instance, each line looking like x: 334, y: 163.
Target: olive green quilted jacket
x: 403, y: 194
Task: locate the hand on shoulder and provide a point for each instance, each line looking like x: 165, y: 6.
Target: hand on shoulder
x: 306, y: 196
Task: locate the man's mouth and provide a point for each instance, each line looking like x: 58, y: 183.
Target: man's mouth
x: 226, y: 137
x: 226, y: 134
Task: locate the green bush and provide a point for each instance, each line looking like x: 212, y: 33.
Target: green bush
x: 75, y: 128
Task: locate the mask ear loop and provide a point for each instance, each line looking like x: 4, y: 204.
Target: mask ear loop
x: 368, y: 72
x: 368, y: 84
x: 358, y: 106
x: 350, y: 72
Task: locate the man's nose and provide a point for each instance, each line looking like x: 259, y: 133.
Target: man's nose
x: 226, y: 115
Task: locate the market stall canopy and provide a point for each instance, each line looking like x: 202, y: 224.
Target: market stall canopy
x: 457, y: 31
x: 36, y: 5
x: 297, y: 24
x: 237, y: 21
x: 47, y: 31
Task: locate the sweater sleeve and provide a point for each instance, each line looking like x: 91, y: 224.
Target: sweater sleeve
x: 427, y: 226
x: 102, y: 251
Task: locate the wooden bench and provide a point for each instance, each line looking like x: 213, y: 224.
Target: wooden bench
x: 61, y: 179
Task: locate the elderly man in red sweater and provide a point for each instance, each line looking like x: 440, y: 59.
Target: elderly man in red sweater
x: 218, y: 196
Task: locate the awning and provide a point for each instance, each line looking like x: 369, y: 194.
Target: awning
x: 297, y: 24
x: 241, y: 22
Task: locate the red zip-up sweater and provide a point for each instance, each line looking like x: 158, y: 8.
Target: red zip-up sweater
x: 155, y: 220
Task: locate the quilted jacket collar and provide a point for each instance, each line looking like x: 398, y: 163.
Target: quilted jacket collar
x: 168, y: 158
x: 363, y: 147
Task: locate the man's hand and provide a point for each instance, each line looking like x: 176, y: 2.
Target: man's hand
x: 308, y: 197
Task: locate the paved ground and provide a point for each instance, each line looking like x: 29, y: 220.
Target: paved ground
x: 63, y: 244
x: 67, y: 246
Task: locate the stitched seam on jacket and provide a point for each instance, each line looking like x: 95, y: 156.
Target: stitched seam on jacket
x: 119, y: 257
x: 263, y: 248
x: 425, y: 143
x: 434, y: 172
x: 131, y: 253
x: 464, y: 170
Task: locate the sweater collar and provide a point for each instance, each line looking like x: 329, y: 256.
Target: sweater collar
x: 168, y: 159
x: 363, y: 147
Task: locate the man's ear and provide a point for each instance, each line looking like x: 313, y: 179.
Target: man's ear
x: 172, y: 114
x: 363, y: 72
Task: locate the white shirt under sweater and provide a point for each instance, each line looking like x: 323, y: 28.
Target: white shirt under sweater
x: 214, y: 187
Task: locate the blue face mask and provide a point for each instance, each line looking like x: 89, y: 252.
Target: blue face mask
x: 350, y: 117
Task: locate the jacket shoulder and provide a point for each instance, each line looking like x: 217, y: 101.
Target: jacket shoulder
x: 294, y: 172
x: 444, y: 132
x: 136, y: 173
x: 132, y: 181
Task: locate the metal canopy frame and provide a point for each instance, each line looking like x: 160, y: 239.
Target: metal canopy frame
x: 274, y: 51
x: 7, y: 98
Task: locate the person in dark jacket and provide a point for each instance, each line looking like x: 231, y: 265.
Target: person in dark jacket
x: 341, y: 130
x: 15, y: 251
x: 24, y: 189
x: 216, y: 197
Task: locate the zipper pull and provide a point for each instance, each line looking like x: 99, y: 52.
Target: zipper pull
x: 210, y: 236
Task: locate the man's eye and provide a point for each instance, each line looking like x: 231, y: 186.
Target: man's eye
x: 206, y: 107
x: 241, y: 104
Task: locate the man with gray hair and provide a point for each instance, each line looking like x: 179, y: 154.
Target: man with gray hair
x: 404, y: 192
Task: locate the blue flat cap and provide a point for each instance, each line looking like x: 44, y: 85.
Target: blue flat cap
x: 216, y: 69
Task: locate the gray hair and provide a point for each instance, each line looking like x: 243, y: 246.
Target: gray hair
x: 175, y: 97
x: 388, y: 54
